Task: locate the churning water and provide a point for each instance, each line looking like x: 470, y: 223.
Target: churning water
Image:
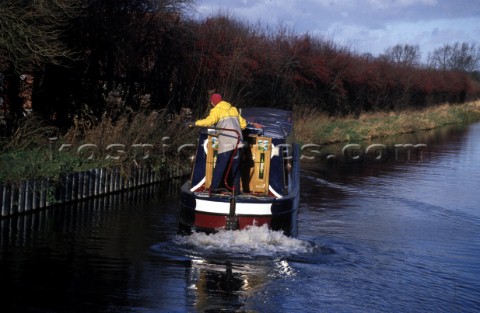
x: 397, y: 235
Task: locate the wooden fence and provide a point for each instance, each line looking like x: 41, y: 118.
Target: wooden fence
x: 28, y: 196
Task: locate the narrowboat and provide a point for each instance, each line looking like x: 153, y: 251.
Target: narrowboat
x: 270, y: 179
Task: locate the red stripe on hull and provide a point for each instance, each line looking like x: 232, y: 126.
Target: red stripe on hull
x: 219, y: 221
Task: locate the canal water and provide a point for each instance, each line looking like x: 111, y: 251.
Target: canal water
x: 383, y: 227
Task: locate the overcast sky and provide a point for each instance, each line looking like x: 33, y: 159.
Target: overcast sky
x: 362, y: 25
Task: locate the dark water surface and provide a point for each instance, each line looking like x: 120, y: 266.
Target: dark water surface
x: 397, y: 235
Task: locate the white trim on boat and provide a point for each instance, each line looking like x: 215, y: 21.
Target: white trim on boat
x: 205, y: 148
x: 240, y: 209
x: 198, y: 185
x: 274, y: 192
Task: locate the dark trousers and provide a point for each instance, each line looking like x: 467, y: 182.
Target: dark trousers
x: 223, y: 159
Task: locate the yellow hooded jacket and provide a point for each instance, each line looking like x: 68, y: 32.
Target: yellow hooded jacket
x: 225, y: 115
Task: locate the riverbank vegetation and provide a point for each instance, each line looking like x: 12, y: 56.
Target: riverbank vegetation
x: 154, y: 139
x: 312, y: 126
x: 160, y: 140
x: 111, y: 80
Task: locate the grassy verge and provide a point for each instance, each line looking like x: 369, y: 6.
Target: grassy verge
x: 154, y: 139
x: 139, y: 139
x: 312, y: 126
x: 28, y: 164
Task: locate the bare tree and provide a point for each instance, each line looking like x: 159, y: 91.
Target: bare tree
x: 407, y: 55
x: 31, y: 32
x: 459, y: 56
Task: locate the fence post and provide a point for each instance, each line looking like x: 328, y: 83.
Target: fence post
x: 68, y: 188
x: 21, y: 197
x: 41, y: 196
x: 91, y: 183
x: 28, y: 196
x: 5, y: 200
x: 49, y: 192
x: 101, y: 182
x: 97, y: 182
x: 34, y: 194
x: 2, y: 198
x: 79, y: 190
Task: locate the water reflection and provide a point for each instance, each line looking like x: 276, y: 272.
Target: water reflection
x: 405, y: 148
x: 24, y: 230
x: 357, y: 161
x: 413, y: 225
x: 227, y: 268
x: 221, y: 286
x: 230, y: 286
x: 373, y: 237
x: 79, y: 257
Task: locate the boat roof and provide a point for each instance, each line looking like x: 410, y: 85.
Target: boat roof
x: 277, y: 123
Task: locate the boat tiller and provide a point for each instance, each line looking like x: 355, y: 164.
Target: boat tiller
x: 232, y: 219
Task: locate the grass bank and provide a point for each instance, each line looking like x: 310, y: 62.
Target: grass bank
x: 312, y: 126
x: 155, y: 139
x: 141, y: 139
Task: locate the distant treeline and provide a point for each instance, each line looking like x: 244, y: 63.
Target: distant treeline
x: 92, y: 58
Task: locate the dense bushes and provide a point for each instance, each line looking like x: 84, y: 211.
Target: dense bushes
x: 141, y: 55
x: 283, y: 69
